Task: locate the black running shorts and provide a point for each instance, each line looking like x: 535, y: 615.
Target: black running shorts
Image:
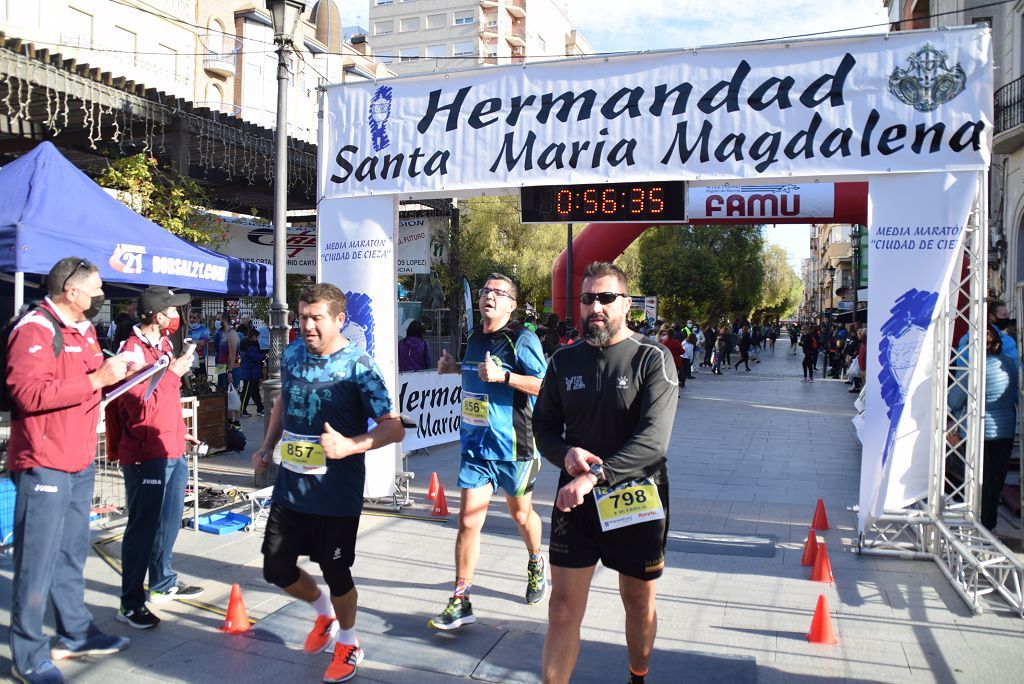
x: 327, y: 539
x: 635, y: 551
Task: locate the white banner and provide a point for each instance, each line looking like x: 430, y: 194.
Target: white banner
x: 254, y: 241
x: 760, y: 202
x: 434, y: 403
x: 914, y: 245
x: 412, y: 248
x: 357, y: 255
x: 907, y: 101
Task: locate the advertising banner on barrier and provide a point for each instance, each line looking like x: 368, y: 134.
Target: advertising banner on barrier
x: 914, y: 101
x: 434, y: 403
x: 914, y: 246
x: 356, y: 247
x: 254, y: 241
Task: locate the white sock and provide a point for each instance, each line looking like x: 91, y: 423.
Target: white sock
x: 323, y: 604
x: 347, y: 636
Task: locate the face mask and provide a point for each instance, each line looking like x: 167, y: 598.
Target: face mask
x: 193, y: 326
x: 95, y: 303
x: 172, y: 327
x: 1002, y: 323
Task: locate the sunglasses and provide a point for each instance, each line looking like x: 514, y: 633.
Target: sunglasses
x: 80, y: 265
x: 484, y: 291
x: 606, y: 298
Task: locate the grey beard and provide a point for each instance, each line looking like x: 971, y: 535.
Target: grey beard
x: 600, y: 336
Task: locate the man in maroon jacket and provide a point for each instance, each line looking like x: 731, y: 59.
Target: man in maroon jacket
x: 50, y: 456
x: 147, y: 436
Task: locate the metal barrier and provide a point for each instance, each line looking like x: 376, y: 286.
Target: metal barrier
x: 109, y: 505
x: 439, y: 335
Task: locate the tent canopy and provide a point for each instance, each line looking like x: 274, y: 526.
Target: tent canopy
x: 50, y: 210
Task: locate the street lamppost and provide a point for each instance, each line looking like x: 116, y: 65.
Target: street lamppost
x: 831, y: 290
x: 285, y: 15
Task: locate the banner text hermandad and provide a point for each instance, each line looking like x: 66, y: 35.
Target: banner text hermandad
x: 911, y: 102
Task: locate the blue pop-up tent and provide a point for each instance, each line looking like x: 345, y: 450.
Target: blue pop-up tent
x: 50, y: 210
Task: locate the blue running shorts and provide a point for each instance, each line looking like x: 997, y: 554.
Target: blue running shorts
x: 515, y: 477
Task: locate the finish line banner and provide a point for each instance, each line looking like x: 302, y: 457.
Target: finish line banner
x: 903, y: 102
x: 914, y: 245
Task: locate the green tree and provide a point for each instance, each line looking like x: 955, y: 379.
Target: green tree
x: 704, y: 272
x: 782, y: 288
x: 171, y: 201
x: 492, y: 239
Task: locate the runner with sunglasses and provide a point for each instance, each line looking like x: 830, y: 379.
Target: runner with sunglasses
x: 604, y: 416
x: 501, y: 375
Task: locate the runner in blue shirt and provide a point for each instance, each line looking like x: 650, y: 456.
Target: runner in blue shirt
x: 501, y: 377
x: 330, y: 391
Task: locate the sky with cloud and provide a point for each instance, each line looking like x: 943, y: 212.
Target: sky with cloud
x: 632, y: 25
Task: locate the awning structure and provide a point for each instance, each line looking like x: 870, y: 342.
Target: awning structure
x: 50, y: 210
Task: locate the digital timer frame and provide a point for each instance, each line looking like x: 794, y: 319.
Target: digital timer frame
x: 654, y: 201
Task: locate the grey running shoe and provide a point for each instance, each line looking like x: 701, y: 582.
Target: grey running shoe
x: 95, y: 645
x: 536, y: 582
x: 458, y: 612
x: 178, y: 592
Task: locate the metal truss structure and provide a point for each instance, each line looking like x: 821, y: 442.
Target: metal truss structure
x: 944, y: 527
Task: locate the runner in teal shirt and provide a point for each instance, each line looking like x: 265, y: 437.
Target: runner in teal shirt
x: 501, y: 377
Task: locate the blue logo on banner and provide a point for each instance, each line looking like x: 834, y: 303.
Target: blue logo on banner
x: 358, y: 327
x: 380, y: 112
x: 899, y: 350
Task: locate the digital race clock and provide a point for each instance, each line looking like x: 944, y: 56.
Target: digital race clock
x: 655, y: 201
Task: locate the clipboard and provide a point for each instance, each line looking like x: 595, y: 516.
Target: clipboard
x: 153, y: 373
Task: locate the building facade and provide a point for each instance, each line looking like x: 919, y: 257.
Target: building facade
x: 426, y: 36
x: 1006, y: 176
x: 191, y: 82
x: 832, y: 290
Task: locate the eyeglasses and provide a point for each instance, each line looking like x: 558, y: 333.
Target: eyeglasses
x: 484, y: 291
x: 606, y: 298
x: 82, y: 263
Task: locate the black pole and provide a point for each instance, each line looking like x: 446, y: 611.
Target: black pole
x: 568, y: 277
x: 856, y: 273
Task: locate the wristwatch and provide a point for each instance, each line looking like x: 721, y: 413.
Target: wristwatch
x: 597, y: 471
x: 507, y: 377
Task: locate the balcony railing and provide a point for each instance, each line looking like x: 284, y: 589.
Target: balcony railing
x: 221, y: 52
x: 1009, y: 106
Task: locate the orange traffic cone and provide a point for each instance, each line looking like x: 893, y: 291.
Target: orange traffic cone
x: 434, y: 486
x: 820, y: 521
x: 821, y: 624
x: 810, y: 549
x: 822, y: 571
x: 237, y: 620
x: 440, y: 503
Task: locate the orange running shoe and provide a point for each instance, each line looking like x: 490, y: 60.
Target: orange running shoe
x: 320, y: 636
x: 345, y: 663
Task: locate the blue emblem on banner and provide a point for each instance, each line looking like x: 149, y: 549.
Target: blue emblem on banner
x: 380, y: 112
x: 358, y: 327
x: 899, y: 351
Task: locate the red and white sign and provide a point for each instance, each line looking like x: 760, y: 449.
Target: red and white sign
x: 760, y: 204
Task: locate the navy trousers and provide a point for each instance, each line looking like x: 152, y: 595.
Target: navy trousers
x: 51, y: 540
x: 156, y: 497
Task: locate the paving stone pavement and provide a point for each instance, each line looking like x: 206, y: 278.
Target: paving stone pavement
x: 750, y: 455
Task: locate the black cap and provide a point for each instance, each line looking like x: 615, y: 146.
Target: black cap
x: 156, y: 298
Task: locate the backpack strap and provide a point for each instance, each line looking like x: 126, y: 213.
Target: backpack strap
x: 58, y: 336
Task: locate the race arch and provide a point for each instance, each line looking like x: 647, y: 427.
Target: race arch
x: 909, y: 113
